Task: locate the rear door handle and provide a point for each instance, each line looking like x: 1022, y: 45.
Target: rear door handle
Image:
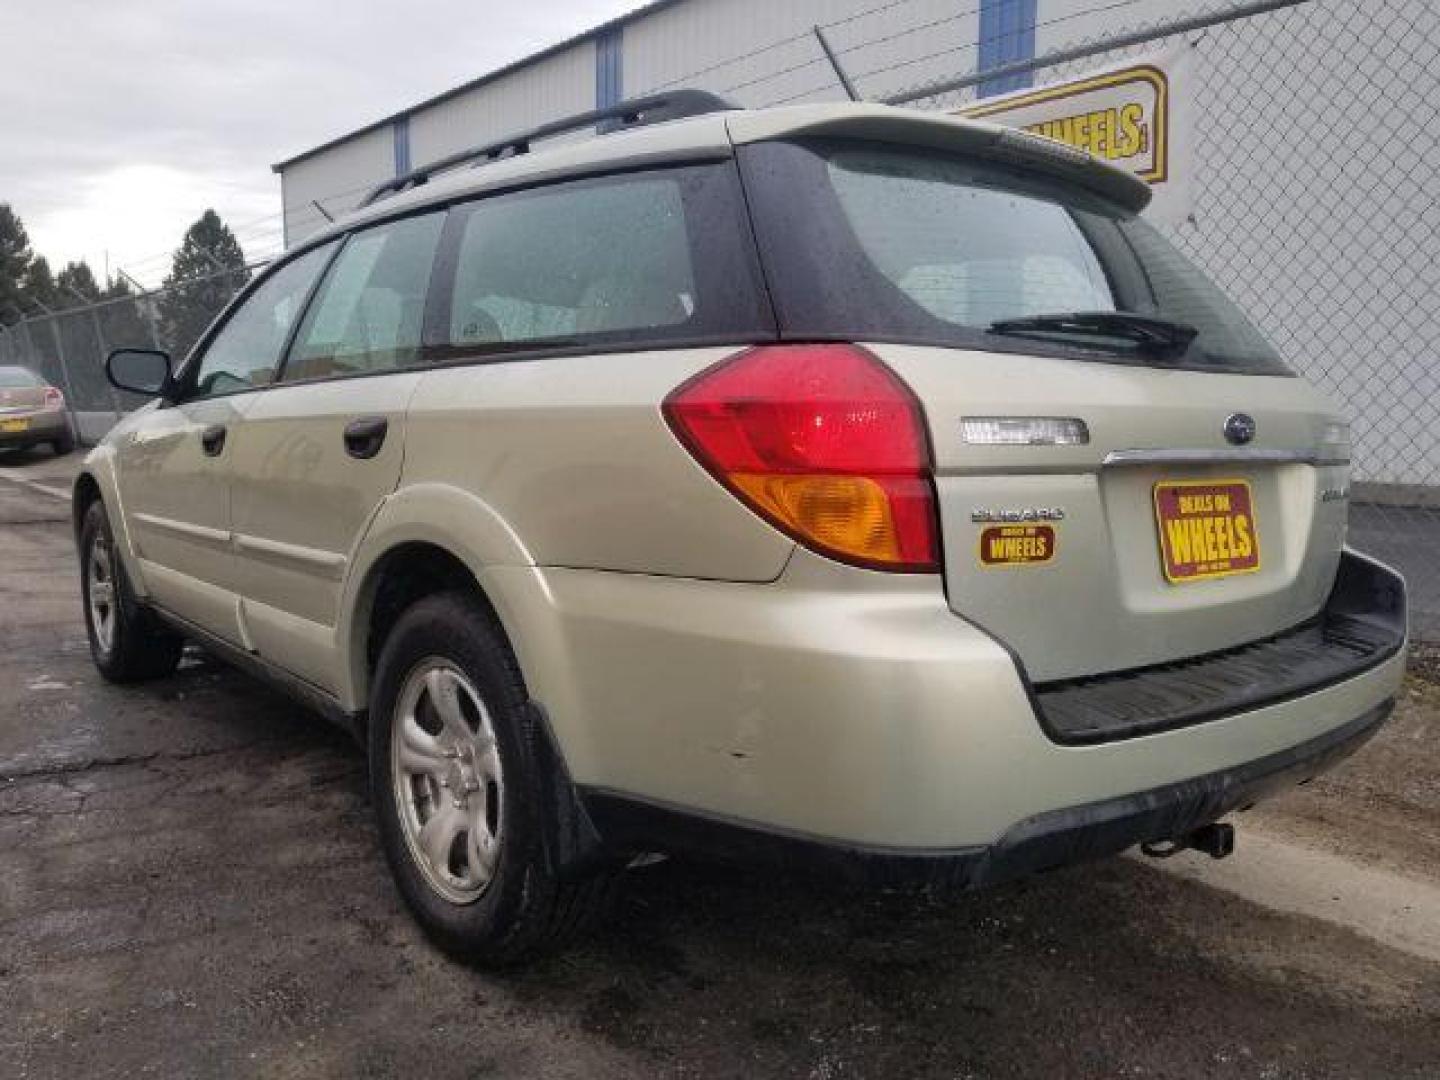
x: 364, y: 437
x: 212, y: 440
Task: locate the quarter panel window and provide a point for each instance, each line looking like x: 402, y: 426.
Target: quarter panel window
x: 649, y: 257
x: 246, y: 351
x: 369, y: 313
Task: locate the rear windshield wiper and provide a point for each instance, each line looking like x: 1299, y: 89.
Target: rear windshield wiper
x: 1144, y: 333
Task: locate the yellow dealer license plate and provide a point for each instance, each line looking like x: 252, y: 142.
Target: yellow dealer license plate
x: 1207, y: 529
x: 9, y: 426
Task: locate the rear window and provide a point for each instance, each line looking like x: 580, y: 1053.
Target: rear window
x: 881, y: 243
x: 18, y: 378
x: 642, y: 259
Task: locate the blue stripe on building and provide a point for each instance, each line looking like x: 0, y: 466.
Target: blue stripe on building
x: 1007, y: 34
x: 610, y: 68
x: 402, y: 146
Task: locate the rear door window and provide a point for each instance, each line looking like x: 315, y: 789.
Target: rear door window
x: 370, y: 311
x: 875, y: 242
x: 645, y: 259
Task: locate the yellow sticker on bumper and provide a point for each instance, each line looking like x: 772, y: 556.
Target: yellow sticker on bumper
x: 1017, y: 545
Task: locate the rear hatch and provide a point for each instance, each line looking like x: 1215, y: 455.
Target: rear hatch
x: 1127, y: 474
x: 1157, y: 539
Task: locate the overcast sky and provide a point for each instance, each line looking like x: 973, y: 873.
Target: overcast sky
x: 123, y: 121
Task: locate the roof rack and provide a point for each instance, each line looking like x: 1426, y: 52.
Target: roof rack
x: 638, y: 112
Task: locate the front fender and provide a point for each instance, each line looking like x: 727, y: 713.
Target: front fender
x: 100, y: 468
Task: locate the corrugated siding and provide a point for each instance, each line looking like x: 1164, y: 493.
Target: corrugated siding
x: 760, y: 52
x: 338, y: 178
x: 560, y: 86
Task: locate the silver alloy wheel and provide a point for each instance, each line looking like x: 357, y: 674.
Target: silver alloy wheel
x: 100, y: 592
x: 449, y: 786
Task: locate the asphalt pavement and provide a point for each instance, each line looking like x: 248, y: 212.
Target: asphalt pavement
x: 192, y: 886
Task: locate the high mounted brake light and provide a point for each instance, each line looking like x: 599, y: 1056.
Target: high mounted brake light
x: 823, y: 441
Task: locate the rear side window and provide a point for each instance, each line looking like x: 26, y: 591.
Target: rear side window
x: 370, y: 311
x: 645, y: 259
x: 875, y: 242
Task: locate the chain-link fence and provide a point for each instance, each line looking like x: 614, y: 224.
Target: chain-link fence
x: 1314, y: 203
x: 68, y: 348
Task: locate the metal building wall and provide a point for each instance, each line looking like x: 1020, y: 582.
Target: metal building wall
x: 555, y: 86
x: 760, y: 52
x: 1062, y: 23
x: 336, y: 178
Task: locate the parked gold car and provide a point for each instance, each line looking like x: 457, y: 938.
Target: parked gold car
x: 32, y: 412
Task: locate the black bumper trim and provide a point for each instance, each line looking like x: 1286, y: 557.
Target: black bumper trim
x: 1361, y: 626
x: 1044, y: 842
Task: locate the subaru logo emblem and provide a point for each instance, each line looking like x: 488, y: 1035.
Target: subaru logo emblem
x: 1239, y: 428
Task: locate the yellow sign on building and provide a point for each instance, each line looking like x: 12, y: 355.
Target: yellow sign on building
x: 1131, y: 115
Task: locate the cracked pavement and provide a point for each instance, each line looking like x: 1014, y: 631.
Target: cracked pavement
x: 190, y: 885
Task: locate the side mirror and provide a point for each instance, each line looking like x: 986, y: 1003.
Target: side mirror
x: 141, y: 371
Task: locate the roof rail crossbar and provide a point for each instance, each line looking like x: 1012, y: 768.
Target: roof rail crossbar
x: 638, y: 112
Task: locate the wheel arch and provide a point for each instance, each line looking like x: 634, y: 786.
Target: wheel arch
x: 85, y: 491
x: 96, y: 482
x: 424, y: 539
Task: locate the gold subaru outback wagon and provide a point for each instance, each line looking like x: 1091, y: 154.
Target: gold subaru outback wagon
x: 837, y: 485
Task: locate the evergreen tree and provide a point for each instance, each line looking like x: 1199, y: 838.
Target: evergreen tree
x: 127, y: 325
x: 208, y: 269
x: 117, y: 288
x: 15, y: 256
x: 37, y: 286
x: 76, y: 285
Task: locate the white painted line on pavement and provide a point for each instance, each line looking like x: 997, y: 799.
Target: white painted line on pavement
x: 1398, y: 911
x: 35, y: 485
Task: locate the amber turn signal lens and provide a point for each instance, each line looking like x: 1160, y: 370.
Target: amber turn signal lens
x: 849, y: 514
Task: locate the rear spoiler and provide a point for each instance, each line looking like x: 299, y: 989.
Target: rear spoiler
x: 885, y: 123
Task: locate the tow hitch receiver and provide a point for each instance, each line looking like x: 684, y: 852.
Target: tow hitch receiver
x: 1217, y: 841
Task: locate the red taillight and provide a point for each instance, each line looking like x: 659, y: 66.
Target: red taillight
x: 825, y: 442
x: 54, y: 399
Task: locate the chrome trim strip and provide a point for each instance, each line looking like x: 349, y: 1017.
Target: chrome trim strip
x: 202, y: 533
x: 1246, y: 455
x: 331, y: 563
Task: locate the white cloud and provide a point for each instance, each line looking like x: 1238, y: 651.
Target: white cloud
x: 123, y: 122
x: 132, y: 215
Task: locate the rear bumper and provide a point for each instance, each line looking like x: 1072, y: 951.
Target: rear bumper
x: 40, y: 427
x: 854, y: 711
x: 1362, y: 624
x: 1046, y: 841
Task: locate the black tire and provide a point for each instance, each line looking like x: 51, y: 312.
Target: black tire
x: 138, y: 647
x: 63, y: 445
x: 527, y: 908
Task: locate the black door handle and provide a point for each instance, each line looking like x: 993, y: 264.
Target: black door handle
x: 212, y: 440
x: 365, y: 437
